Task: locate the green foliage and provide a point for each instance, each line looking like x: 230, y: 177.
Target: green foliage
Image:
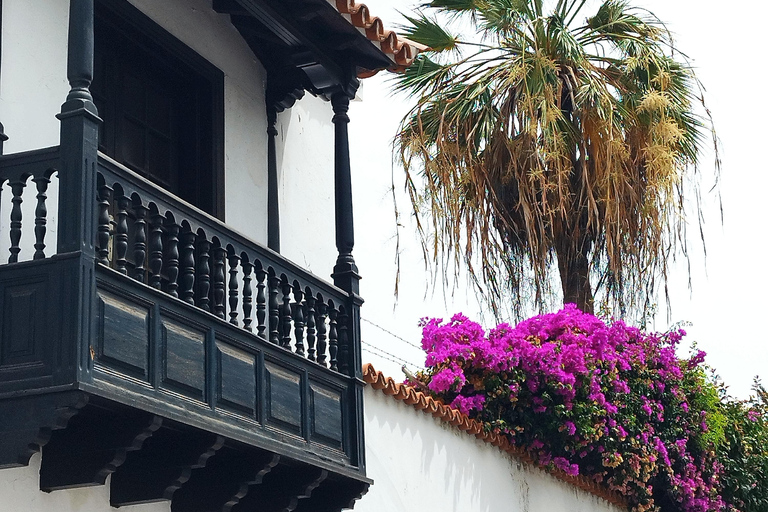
x: 744, y: 453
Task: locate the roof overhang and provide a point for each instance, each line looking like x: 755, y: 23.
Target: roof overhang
x: 320, y: 46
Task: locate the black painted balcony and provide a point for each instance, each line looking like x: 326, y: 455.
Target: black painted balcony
x: 185, y: 360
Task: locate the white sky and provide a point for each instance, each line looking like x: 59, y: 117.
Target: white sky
x: 727, y: 304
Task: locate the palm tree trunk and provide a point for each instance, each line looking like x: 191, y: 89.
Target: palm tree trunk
x: 573, y: 263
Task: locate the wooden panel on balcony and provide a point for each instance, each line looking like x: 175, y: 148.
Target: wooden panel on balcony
x: 236, y: 384
x: 123, y: 335
x: 183, y: 357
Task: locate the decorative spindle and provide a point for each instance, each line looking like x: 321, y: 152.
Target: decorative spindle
x: 333, y: 342
x: 298, y: 319
x: 17, y: 188
x: 172, y: 257
x: 187, y: 272
x: 311, y: 329
x: 204, y: 275
x: 121, y: 235
x: 102, y: 233
x: 285, y: 338
x: 261, y: 302
x: 343, y: 359
x: 321, y: 316
x: 234, y: 261
x: 247, y: 296
x: 156, y: 250
x: 139, y: 241
x: 219, y: 255
x: 274, y: 310
x: 41, y: 216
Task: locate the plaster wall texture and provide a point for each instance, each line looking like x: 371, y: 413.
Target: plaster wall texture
x: 305, y: 154
x: 20, y: 492
x: 419, y: 463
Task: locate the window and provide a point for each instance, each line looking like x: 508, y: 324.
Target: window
x: 161, y: 104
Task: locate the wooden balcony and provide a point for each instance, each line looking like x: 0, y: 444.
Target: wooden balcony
x: 178, y: 356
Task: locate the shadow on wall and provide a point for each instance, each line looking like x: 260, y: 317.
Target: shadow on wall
x: 420, y: 463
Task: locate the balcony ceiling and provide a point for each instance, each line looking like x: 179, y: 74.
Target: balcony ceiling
x: 316, y: 45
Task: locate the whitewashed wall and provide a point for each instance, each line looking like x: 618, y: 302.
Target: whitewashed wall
x: 306, y: 189
x: 419, y: 463
x: 20, y: 492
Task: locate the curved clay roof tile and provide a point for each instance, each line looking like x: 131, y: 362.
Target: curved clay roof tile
x: 402, y: 50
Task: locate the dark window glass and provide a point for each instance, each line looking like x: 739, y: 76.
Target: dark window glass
x: 158, y: 111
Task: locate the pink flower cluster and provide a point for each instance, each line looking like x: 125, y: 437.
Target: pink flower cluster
x: 605, y: 400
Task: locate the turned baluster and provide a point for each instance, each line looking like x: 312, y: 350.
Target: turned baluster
x: 187, y: 272
x: 333, y: 341
x: 343, y: 359
x: 219, y: 255
x: 172, y: 257
x: 298, y: 320
x: 234, y: 260
x: 121, y: 235
x: 139, y: 241
x: 41, y: 216
x: 322, y: 337
x: 156, y: 250
x: 102, y: 233
x: 311, y: 329
x: 204, y: 275
x: 247, y: 296
x: 285, y: 339
x: 261, y: 302
x: 17, y: 188
x: 274, y: 310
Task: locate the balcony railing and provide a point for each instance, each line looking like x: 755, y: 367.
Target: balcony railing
x: 187, y: 321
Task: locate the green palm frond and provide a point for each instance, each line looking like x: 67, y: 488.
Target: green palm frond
x: 429, y: 32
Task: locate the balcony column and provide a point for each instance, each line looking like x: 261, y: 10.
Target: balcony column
x: 273, y: 204
x: 78, y: 210
x: 345, y: 274
x: 3, y: 137
x: 79, y: 138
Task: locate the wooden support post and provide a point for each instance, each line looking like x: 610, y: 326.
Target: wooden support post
x: 79, y: 138
x: 273, y: 204
x: 77, y: 181
x: 345, y: 273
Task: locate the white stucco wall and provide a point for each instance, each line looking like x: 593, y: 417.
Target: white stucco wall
x: 20, y: 492
x: 419, y: 463
x: 33, y: 79
x: 306, y: 189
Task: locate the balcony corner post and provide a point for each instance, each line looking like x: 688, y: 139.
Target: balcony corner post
x: 3, y: 138
x: 345, y: 273
x: 78, y: 211
x: 79, y: 138
x: 273, y: 199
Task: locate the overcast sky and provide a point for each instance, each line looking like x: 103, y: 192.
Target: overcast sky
x: 727, y: 304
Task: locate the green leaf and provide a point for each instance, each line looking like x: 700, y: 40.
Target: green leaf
x: 428, y: 31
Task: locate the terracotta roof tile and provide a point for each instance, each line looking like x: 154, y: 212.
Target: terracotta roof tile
x: 402, y: 50
x: 423, y: 402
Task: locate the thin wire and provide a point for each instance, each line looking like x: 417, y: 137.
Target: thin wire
x: 391, y: 357
x: 392, y: 334
x: 380, y: 355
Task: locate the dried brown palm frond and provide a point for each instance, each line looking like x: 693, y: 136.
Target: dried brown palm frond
x: 550, y: 143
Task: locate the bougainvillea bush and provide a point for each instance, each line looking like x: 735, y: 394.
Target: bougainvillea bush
x: 604, y: 400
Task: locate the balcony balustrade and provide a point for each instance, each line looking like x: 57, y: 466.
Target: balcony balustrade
x: 180, y: 351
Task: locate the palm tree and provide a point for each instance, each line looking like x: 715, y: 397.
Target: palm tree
x: 551, y: 137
